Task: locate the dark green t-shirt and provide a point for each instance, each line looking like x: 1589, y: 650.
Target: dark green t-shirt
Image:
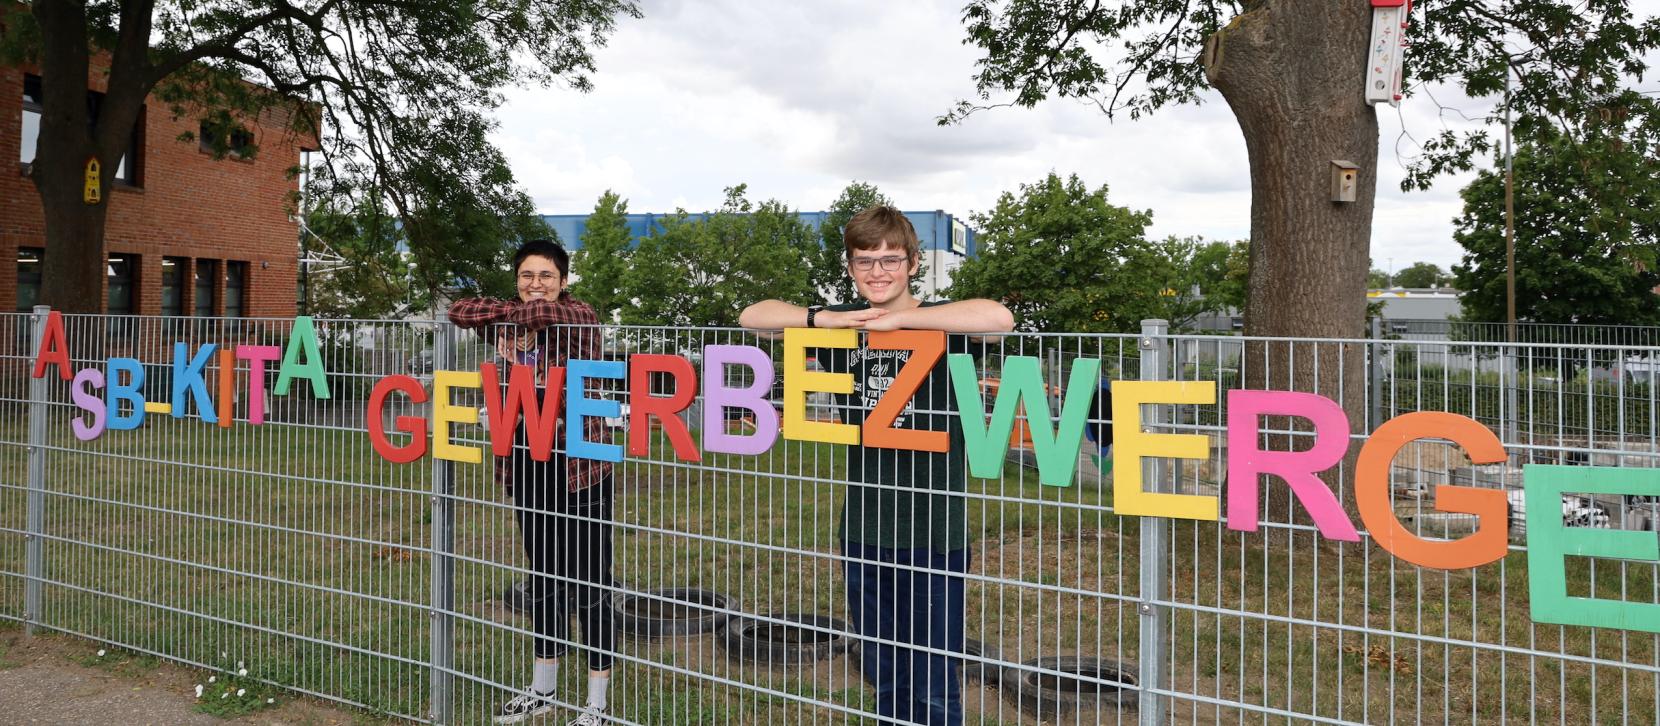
x: 918, y: 501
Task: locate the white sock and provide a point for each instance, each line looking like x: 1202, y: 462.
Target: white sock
x: 545, y: 677
x: 597, y: 686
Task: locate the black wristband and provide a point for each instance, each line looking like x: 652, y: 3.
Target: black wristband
x: 811, y: 313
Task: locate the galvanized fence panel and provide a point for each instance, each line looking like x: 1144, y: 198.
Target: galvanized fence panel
x: 292, y: 550
x: 15, y: 454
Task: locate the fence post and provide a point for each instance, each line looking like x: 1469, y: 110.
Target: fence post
x: 1379, y: 366
x: 443, y: 546
x: 34, y: 557
x: 1155, y: 544
x: 1512, y: 411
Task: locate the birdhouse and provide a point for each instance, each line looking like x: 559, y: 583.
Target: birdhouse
x: 1345, y: 179
x: 1383, y: 55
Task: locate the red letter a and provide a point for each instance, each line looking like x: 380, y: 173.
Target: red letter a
x: 53, y: 349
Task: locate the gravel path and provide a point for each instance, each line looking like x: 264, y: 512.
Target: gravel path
x: 57, y: 679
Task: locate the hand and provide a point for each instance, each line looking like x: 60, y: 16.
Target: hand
x: 505, y: 347
x: 849, y: 318
x: 885, y: 323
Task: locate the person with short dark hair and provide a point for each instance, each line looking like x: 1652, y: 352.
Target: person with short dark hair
x: 564, y: 503
x: 905, y: 540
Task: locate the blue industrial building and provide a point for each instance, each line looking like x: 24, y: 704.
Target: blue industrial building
x: 946, y: 239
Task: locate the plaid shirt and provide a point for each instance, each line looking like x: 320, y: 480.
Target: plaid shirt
x: 526, y: 335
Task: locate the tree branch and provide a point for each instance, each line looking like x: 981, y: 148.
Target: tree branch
x: 226, y: 42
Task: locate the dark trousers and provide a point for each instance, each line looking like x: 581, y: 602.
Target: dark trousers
x: 567, y: 537
x: 921, y: 607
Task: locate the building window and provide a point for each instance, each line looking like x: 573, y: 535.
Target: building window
x: 172, y: 285
x: 29, y: 261
x: 32, y: 109
x: 126, y: 170
x: 207, y: 272
x: 236, y: 281
x: 226, y: 137
x: 121, y: 272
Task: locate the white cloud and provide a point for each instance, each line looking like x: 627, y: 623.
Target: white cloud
x: 798, y: 99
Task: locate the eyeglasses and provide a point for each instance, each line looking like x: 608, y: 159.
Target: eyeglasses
x: 546, y: 277
x: 866, y: 264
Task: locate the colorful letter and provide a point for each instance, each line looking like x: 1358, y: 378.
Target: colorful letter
x: 798, y: 382
x: 717, y: 398
x: 53, y: 349
x: 1131, y: 444
x: 1247, y: 461
x: 1549, y: 543
x: 878, y: 430
x: 187, y: 379
x: 115, y: 392
x: 579, y: 407
x: 445, y: 412
x: 643, y: 406
x: 1022, y: 386
x: 541, y: 418
x: 412, y: 425
x: 227, y: 386
x: 257, y: 356
x: 302, y: 339
x: 89, y: 402
x: 1489, y: 542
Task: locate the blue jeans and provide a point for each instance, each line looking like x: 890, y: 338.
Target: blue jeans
x: 918, y: 607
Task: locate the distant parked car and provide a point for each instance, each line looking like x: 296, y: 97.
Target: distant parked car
x: 421, y: 363
x: 1576, y: 512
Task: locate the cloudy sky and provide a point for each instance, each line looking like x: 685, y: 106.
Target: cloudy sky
x: 798, y: 99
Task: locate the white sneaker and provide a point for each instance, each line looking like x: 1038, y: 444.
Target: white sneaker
x: 590, y: 717
x: 524, y: 705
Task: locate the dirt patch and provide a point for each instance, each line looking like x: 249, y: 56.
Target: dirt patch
x: 51, y: 679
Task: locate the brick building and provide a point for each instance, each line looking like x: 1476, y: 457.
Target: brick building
x: 187, y: 234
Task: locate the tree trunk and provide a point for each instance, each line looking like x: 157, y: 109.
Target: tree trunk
x: 1293, y: 72
x: 74, y: 265
x: 73, y: 273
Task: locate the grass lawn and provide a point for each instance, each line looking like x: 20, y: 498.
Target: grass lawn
x: 301, y: 554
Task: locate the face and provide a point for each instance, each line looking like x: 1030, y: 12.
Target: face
x: 538, y: 278
x: 877, y: 285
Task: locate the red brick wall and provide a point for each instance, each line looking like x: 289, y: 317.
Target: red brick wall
x: 187, y: 205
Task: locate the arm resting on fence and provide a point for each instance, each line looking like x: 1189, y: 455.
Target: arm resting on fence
x: 965, y: 316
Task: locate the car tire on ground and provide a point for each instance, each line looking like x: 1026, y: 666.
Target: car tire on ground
x: 671, y: 611
x: 1045, y: 695
x: 801, y: 638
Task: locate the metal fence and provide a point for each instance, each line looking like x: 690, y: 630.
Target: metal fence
x: 292, y: 550
x: 1526, y: 332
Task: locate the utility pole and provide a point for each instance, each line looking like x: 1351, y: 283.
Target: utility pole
x: 1509, y: 221
x: 1513, y: 418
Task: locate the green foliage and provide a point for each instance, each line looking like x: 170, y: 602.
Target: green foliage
x: 604, y: 258
x: 1377, y: 279
x: 1196, y: 278
x: 704, y: 270
x: 400, y: 94
x: 235, y: 694
x: 462, y: 215
x: 1571, y: 62
x: 1236, y: 277
x: 829, y: 263
x: 1422, y: 275
x: 1064, y: 260
x: 372, y: 280
x: 1555, y: 401
x: 1586, y: 237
